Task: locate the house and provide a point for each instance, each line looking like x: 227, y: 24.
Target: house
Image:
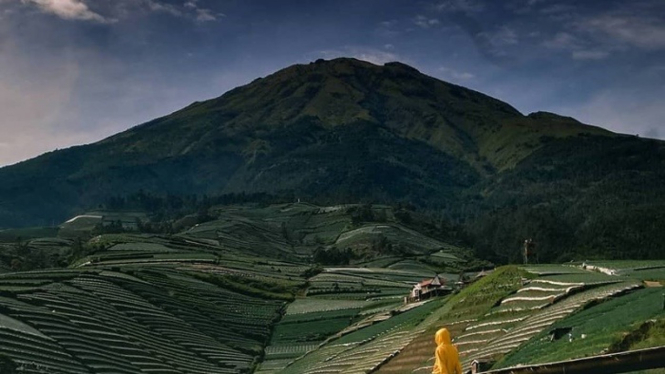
x: 428, y: 288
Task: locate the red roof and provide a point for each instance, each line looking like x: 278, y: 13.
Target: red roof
x: 428, y: 282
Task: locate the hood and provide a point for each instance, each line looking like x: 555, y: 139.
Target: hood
x: 442, y: 337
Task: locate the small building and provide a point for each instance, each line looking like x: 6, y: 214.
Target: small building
x: 428, y: 288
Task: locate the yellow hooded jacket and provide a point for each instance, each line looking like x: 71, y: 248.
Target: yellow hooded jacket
x: 447, y: 357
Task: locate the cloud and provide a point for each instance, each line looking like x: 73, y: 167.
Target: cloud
x: 166, y: 8
x: 562, y: 40
x: 641, y: 31
x: 424, y: 22
x: 504, y: 36
x: 580, y: 50
x: 590, y: 55
x: 560, y: 12
x: 126, y: 9
x: 455, y: 74
x: 623, y: 111
x: 201, y: 14
x: 465, y: 6
x: 388, y: 29
x: 68, y: 9
x: 205, y: 15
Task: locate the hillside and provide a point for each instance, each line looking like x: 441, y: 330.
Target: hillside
x: 207, y: 299
x: 250, y: 291
x: 344, y: 131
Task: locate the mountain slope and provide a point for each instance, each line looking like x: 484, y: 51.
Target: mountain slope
x: 366, y: 128
x: 345, y: 131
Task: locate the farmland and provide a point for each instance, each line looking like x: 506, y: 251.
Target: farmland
x: 247, y: 292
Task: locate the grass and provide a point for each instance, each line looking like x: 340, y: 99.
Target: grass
x: 479, y: 297
x: 654, y: 336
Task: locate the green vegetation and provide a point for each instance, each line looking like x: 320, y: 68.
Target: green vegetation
x: 613, y: 325
x: 478, y: 298
x: 239, y: 294
x: 340, y: 131
x: 257, y: 288
x: 194, y: 256
x: 230, y: 295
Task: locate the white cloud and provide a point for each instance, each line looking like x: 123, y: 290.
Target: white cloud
x: 124, y: 9
x: 455, y: 74
x: 580, y: 49
x: 498, y: 45
x: 466, y: 6
x: 641, y: 31
x: 425, y: 22
x: 388, y: 29
x: 562, y: 40
x: 205, y: 15
x: 502, y: 37
x: 166, y: 8
x: 68, y: 9
x: 201, y: 14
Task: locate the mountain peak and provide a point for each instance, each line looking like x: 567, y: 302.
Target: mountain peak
x: 303, y: 127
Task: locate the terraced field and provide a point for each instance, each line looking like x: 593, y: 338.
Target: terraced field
x: 365, y: 349
x: 241, y: 294
x: 653, y: 271
x: 105, y: 322
x: 498, y: 315
x: 338, y: 300
x: 598, y: 329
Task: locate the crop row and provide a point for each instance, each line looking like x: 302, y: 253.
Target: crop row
x: 364, y: 350
x: 534, y: 324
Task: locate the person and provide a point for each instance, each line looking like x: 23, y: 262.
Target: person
x: 446, y: 355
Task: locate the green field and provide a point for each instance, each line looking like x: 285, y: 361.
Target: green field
x: 598, y: 329
x: 244, y: 294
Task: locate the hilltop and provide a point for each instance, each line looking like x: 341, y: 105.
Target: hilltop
x: 345, y: 131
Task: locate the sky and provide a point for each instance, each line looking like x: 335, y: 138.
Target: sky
x: 76, y: 71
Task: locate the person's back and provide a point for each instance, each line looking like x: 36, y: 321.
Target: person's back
x: 446, y: 355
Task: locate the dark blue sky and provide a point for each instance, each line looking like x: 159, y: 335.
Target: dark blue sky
x: 75, y: 71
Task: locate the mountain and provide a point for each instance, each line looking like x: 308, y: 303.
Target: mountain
x: 347, y: 131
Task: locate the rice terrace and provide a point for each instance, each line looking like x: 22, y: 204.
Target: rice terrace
x: 332, y: 187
